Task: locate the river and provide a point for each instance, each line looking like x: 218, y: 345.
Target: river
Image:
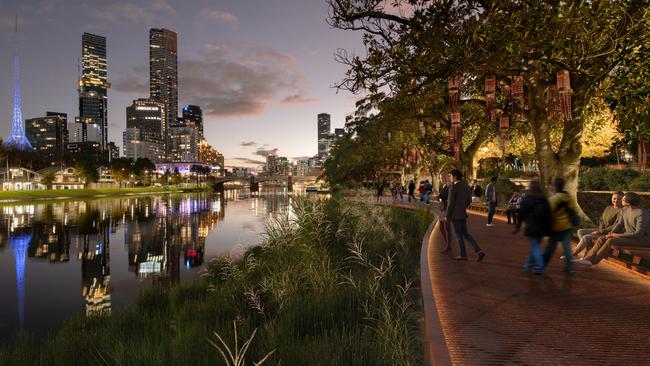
x: 58, y: 260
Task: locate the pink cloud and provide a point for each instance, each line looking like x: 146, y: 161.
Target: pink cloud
x: 221, y: 17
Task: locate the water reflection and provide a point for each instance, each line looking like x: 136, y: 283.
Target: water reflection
x: 118, y: 246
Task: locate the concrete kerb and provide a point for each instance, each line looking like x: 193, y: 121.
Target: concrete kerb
x: 436, y: 349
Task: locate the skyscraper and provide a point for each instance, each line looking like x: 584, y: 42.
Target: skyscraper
x: 324, y: 136
x: 163, y: 71
x: 146, y: 124
x: 48, y: 135
x: 93, y: 87
x: 17, y: 136
x: 193, y: 117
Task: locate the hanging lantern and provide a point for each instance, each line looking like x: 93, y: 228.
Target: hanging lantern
x: 564, y: 94
x: 518, y: 88
x: 437, y: 125
x: 504, y: 122
x: 454, y: 92
x: 411, y: 86
x: 457, y: 151
x: 455, y: 118
x: 490, y: 95
x: 422, y: 129
x: 389, y: 136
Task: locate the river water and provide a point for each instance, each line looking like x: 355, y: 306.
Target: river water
x: 87, y: 257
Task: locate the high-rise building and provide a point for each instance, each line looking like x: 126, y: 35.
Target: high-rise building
x: 207, y: 154
x: 193, y: 117
x: 163, y: 71
x: 339, y: 132
x: 139, y: 144
x: 324, y: 135
x: 149, y: 115
x: 182, y: 143
x: 93, y: 89
x: 48, y: 135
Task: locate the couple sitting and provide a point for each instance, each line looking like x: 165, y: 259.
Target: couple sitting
x: 628, y: 225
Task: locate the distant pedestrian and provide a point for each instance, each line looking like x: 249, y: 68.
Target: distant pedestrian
x: 411, y: 190
x: 380, y: 191
x: 460, y: 198
x: 477, y: 191
x: 443, y: 195
x: 491, y: 199
x: 513, y: 206
x: 535, y: 211
x: 563, y: 209
x: 422, y: 191
x: 428, y: 189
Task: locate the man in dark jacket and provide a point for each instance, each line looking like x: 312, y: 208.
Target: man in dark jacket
x: 460, y: 198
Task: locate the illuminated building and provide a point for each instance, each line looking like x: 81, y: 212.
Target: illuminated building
x: 146, y: 127
x: 193, y: 117
x: 163, y: 71
x: 93, y: 97
x: 48, y: 135
x: 182, y: 143
x: 324, y: 135
x: 209, y: 155
x: 19, y: 179
x: 84, y: 150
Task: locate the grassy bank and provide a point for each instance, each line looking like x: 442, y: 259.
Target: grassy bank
x: 13, y: 196
x: 335, y: 285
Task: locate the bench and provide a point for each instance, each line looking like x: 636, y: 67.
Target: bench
x: 632, y: 258
x: 482, y: 207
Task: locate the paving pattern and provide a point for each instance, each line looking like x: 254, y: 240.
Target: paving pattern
x: 493, y: 314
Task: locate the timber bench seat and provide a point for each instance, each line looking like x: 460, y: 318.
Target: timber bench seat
x: 633, y: 258
x: 482, y: 207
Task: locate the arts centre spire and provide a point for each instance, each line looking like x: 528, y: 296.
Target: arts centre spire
x: 17, y: 136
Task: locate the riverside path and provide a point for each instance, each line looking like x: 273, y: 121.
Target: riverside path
x: 490, y: 313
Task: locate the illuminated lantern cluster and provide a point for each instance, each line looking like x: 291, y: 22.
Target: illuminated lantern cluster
x: 423, y: 130
x: 490, y: 96
x: 564, y: 94
x: 454, y: 103
x: 518, y: 95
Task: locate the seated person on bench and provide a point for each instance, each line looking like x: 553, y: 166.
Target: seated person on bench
x: 634, y: 224
x: 605, y: 225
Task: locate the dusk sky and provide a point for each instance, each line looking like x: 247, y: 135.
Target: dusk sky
x: 260, y: 69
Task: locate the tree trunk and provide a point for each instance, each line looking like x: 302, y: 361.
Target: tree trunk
x: 565, y: 162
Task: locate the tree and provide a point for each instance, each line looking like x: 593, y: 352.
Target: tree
x: 87, y: 171
x: 142, y: 167
x: 47, y: 179
x: 535, y: 39
x: 121, y: 169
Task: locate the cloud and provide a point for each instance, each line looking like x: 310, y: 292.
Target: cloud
x: 248, y: 143
x: 132, y: 13
x: 249, y: 161
x: 267, y: 152
x: 298, y: 99
x: 234, y: 79
x: 229, y: 79
x: 134, y: 82
x: 220, y: 16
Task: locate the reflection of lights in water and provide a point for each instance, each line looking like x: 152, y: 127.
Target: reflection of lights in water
x: 65, y: 219
x: 53, y: 229
x: 19, y: 246
x: 146, y: 211
x: 187, y: 264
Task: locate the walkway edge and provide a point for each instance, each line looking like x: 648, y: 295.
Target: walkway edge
x: 436, y: 350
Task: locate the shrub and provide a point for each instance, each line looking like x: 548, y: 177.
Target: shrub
x: 618, y: 180
x: 641, y: 183
x: 594, y: 179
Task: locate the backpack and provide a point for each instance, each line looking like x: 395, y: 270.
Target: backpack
x: 574, y: 218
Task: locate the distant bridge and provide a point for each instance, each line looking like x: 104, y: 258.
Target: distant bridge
x: 253, y: 181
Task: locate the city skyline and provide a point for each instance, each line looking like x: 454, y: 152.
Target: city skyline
x: 260, y: 90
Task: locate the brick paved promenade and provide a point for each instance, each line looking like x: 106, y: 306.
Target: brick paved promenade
x: 492, y: 314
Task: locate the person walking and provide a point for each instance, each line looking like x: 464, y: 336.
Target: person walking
x: 460, y: 198
x: 477, y: 191
x: 443, y: 195
x: 535, y: 211
x: 411, y: 188
x: 380, y: 191
x: 491, y: 200
x: 563, y: 209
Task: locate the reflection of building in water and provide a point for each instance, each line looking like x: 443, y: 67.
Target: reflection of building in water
x: 19, y: 244
x: 94, y: 242
x: 50, y: 241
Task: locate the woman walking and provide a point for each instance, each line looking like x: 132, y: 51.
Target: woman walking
x: 535, y: 211
x: 443, y: 197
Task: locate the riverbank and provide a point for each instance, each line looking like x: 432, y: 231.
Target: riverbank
x: 17, y: 197
x: 335, y: 278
